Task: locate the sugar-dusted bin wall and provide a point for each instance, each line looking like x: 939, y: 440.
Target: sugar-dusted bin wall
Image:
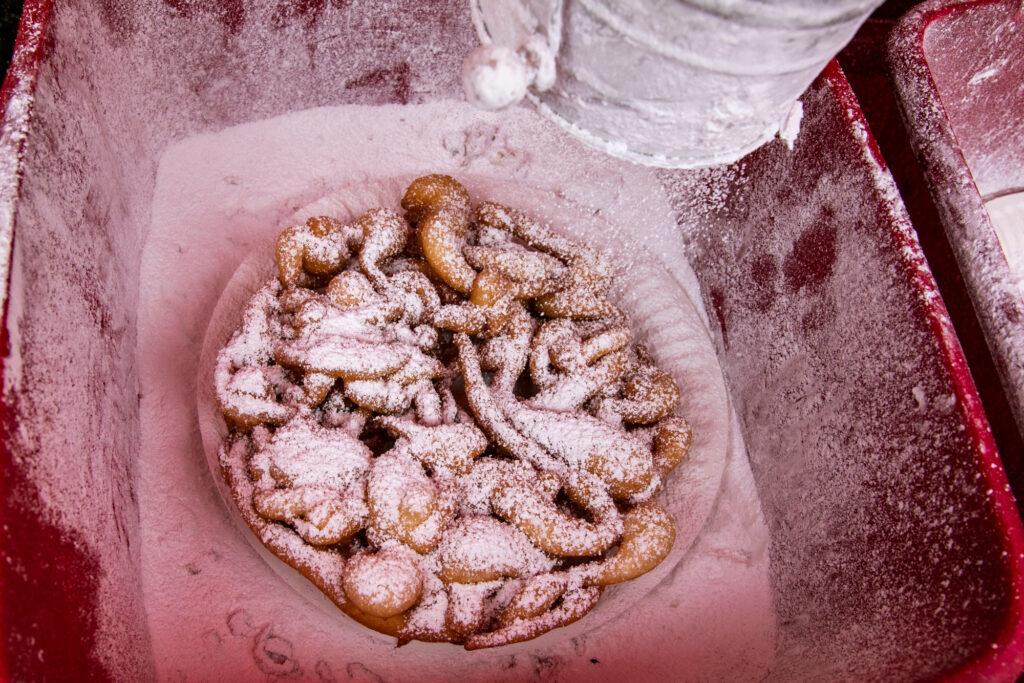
x: 896, y: 549
x: 959, y: 71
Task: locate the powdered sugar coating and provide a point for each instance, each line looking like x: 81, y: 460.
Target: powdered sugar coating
x: 333, y: 325
x: 306, y: 454
x: 619, y: 210
x: 384, y: 584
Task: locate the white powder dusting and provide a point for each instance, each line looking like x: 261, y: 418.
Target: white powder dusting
x: 984, y: 74
x: 16, y: 117
x: 920, y: 396
x: 221, y: 196
x: 961, y: 78
x: 678, y: 84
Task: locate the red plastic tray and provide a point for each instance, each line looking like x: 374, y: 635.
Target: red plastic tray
x: 896, y: 546
x: 959, y: 69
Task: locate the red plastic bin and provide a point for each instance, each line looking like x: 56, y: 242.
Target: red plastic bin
x: 959, y: 71
x: 896, y: 549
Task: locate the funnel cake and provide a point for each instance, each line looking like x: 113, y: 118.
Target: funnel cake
x: 443, y: 422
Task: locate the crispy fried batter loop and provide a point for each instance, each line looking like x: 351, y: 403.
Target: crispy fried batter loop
x: 449, y: 406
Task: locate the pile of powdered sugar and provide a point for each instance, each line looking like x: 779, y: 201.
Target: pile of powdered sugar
x: 221, y: 197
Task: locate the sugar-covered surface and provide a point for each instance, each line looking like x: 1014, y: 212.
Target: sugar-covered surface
x: 677, y: 84
x: 975, y: 59
x: 855, y: 528
x: 116, y: 83
x: 843, y: 411
x: 222, y: 198
x: 959, y: 70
